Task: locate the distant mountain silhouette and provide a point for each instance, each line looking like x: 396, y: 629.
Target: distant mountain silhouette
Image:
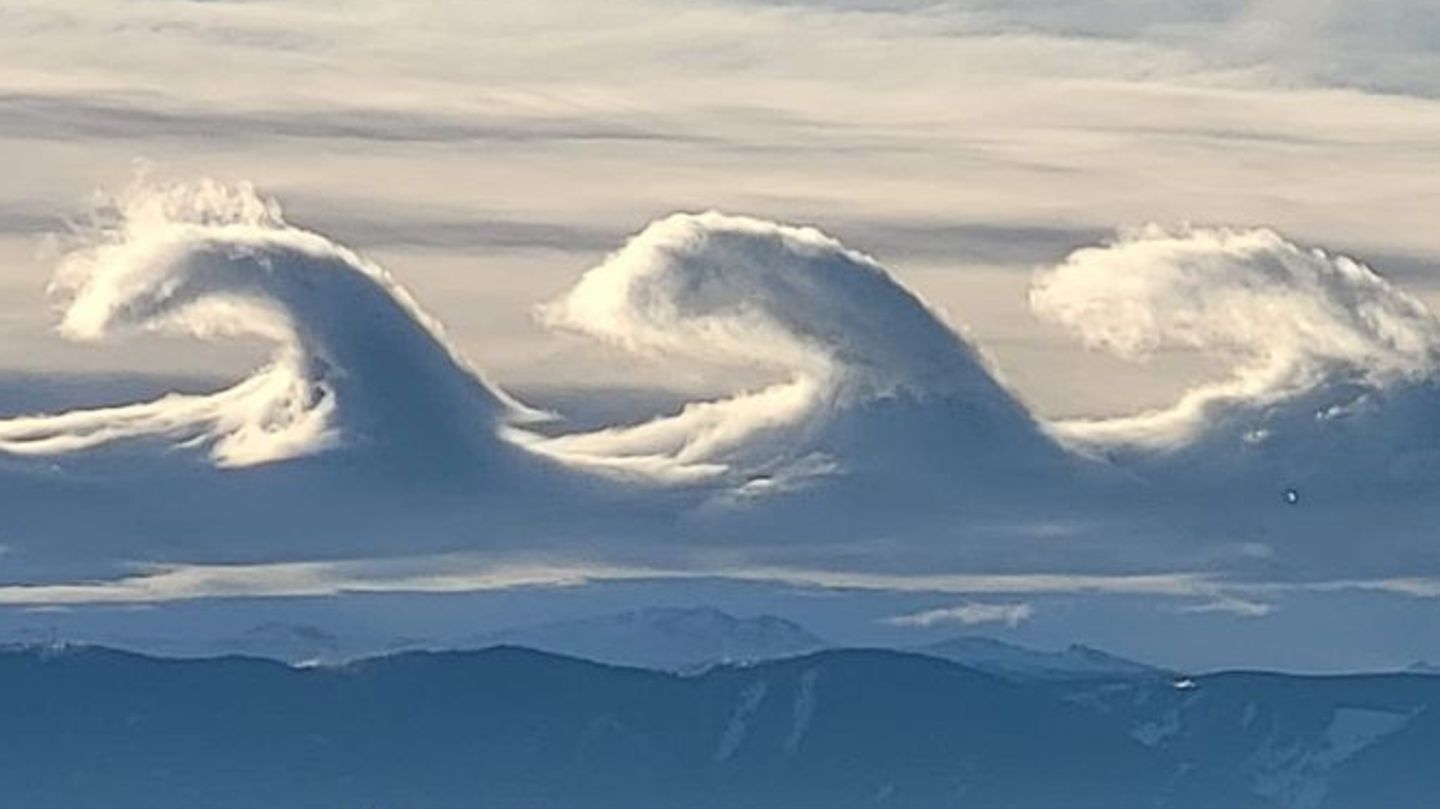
x: 1006, y: 659
x: 669, y: 638
x: 291, y: 643
x: 508, y: 727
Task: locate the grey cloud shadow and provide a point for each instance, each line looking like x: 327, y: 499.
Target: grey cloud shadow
x: 21, y: 220
x: 59, y: 117
x: 1409, y: 268
x: 383, y: 227
x: 1017, y: 244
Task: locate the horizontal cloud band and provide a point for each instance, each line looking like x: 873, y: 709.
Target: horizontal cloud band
x: 876, y: 419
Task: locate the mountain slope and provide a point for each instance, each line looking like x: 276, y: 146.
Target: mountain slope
x: 668, y: 638
x: 516, y: 728
x: 1343, y: 742
x: 1075, y: 662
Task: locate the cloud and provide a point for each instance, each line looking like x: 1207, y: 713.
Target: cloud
x: 103, y: 117
x: 16, y: 219
x: 969, y: 112
x: 968, y: 614
x: 355, y: 360
x: 1233, y: 606
x: 471, y: 572
x: 945, y: 242
x: 476, y: 573
x: 298, y: 579
x: 878, y: 434
x: 831, y: 324
x: 376, y: 224
x: 1157, y: 584
x: 1291, y: 321
x: 729, y: 289
x: 462, y: 573
x: 357, y: 363
x: 1413, y: 586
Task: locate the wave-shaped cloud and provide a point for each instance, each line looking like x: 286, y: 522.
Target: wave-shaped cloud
x: 830, y: 325
x: 1331, y: 397
x: 863, y: 373
x: 356, y: 362
x: 878, y: 418
x: 1292, y: 321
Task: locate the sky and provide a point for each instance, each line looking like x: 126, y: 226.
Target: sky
x: 1041, y: 214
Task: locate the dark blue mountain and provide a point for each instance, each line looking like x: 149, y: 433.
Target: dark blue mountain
x: 1075, y: 662
x: 512, y: 728
x: 1338, y: 742
x: 667, y: 638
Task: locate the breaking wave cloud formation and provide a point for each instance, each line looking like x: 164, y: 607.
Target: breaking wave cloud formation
x: 358, y: 364
x: 837, y: 333
x: 355, y: 363
x: 1295, y: 324
x: 874, y: 413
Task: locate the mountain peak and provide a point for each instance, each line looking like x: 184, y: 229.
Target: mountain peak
x: 1077, y: 661
x: 668, y: 637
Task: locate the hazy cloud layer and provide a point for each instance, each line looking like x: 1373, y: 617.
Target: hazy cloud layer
x: 60, y: 117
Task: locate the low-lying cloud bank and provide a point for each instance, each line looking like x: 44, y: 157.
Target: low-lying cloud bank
x: 881, y: 438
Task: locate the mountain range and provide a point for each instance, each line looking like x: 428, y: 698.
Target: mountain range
x: 666, y: 638
x: 516, y: 728
x: 1075, y: 662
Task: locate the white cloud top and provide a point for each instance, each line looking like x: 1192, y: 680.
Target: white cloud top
x: 1288, y: 320
x: 832, y: 325
x: 355, y: 360
x: 880, y: 434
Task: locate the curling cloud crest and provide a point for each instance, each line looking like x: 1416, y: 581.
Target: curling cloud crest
x: 867, y: 389
x: 831, y: 325
x: 1294, y: 322
x: 875, y: 419
x: 355, y: 361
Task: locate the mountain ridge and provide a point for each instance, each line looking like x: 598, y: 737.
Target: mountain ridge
x: 517, y: 727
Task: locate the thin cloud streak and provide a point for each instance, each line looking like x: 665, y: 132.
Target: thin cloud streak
x: 461, y: 574
x: 52, y: 117
x: 471, y: 574
x: 969, y: 614
x: 1233, y: 606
